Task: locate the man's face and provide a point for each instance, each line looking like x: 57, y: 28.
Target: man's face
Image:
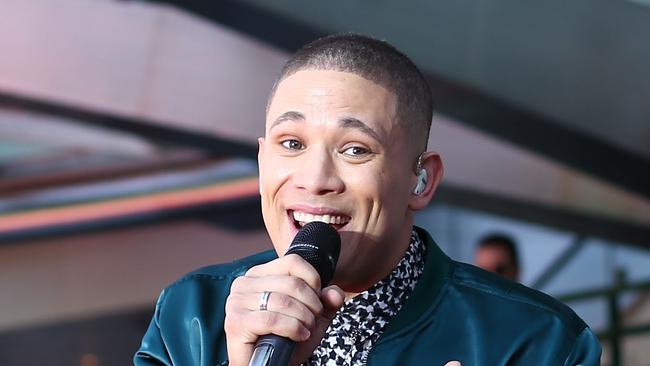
x: 495, y: 258
x: 334, y: 152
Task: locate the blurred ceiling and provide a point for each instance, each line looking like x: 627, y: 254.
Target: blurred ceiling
x: 541, y: 110
x: 569, y: 80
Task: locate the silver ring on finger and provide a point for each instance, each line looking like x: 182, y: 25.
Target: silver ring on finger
x: 264, y: 300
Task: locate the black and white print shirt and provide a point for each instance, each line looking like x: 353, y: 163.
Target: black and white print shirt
x: 363, y: 318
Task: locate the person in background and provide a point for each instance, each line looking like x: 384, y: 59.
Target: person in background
x: 498, y: 253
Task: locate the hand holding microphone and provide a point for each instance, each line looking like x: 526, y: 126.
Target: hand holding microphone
x: 289, y: 288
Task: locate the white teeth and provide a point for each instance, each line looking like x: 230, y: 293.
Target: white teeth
x: 303, y: 218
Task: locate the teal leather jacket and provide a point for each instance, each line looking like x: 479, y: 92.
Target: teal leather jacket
x: 457, y: 312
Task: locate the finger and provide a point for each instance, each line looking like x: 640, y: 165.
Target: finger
x: 277, y: 302
x: 239, y: 354
x: 289, y: 265
x: 250, y: 325
x: 244, y: 327
x: 287, y: 285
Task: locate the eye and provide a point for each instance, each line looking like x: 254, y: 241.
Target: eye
x: 292, y: 144
x: 356, y: 151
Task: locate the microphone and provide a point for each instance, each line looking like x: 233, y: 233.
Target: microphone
x: 319, y: 244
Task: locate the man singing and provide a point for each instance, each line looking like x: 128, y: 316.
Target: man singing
x: 347, y: 125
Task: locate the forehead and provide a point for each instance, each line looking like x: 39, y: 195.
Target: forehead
x: 328, y: 93
x: 492, y: 252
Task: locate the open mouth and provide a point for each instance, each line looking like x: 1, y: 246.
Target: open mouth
x: 301, y: 219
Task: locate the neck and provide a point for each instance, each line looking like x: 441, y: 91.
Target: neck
x: 401, y: 245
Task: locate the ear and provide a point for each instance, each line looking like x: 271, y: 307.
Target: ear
x: 260, y: 154
x: 432, y: 162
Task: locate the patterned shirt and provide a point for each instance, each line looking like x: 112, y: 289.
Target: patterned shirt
x: 363, y: 318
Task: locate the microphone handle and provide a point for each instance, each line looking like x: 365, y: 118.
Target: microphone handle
x: 272, y: 350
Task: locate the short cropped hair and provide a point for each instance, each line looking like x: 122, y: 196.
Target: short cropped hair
x: 374, y: 60
x: 503, y: 241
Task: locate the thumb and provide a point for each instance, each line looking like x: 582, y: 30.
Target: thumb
x: 333, y: 298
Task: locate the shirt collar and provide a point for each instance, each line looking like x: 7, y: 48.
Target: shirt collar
x: 363, y: 318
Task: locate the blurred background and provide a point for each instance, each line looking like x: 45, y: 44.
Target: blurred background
x: 127, y: 152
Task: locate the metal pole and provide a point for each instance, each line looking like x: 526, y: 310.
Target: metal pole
x: 614, y: 318
x: 560, y: 263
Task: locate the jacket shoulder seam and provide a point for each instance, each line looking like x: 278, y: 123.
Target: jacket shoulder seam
x: 566, y: 323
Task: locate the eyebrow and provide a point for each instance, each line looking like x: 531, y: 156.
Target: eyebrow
x: 345, y: 122
x: 351, y: 122
x: 288, y: 116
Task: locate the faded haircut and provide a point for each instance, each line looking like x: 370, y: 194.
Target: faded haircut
x: 377, y: 61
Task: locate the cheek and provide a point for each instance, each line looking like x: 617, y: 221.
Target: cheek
x: 272, y: 178
x: 392, y: 185
x: 394, y: 195
x: 364, y: 184
x: 273, y: 174
x: 375, y: 191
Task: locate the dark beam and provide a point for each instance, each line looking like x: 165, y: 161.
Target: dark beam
x: 141, y: 127
x: 557, y: 218
x: 523, y: 127
x: 542, y: 135
x: 277, y: 30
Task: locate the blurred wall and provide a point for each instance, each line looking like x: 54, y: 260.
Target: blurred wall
x: 61, y: 279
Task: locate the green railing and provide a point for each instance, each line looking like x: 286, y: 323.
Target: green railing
x: 617, y: 330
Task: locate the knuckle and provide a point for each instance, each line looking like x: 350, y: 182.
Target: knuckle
x: 251, y: 271
x: 318, y: 310
x: 285, y: 302
x: 296, y: 283
x: 294, y: 327
x: 269, y: 319
x: 231, y: 323
x: 305, y: 291
x: 237, y: 284
x: 313, y: 279
x: 294, y: 260
x: 310, y: 320
x: 232, y: 302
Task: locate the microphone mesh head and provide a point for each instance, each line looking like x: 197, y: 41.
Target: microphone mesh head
x: 319, y: 244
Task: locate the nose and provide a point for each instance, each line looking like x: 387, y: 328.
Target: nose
x: 317, y: 174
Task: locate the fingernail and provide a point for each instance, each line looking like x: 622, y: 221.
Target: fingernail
x: 306, y: 334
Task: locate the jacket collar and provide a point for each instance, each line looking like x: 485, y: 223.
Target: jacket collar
x: 425, y: 293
